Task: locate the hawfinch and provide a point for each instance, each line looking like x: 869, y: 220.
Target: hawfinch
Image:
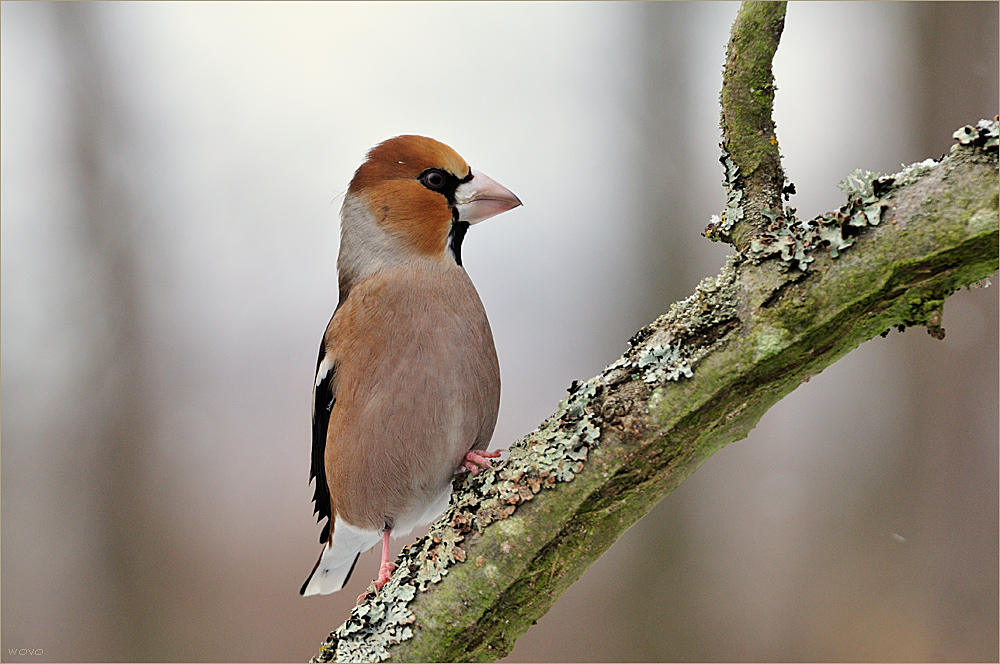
x: 407, y: 383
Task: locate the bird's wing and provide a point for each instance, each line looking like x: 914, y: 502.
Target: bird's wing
x: 324, y: 396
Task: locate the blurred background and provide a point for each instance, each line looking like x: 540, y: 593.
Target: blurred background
x: 171, y: 180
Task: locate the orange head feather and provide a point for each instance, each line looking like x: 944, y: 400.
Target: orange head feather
x: 389, y: 182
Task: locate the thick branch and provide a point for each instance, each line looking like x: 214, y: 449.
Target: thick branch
x: 698, y: 378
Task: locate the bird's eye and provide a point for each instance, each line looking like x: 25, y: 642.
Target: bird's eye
x: 433, y: 180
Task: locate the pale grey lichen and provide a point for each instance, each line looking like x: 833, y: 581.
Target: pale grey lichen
x: 662, y: 363
x: 669, y: 349
x: 553, y: 453
x: 373, y: 626
x: 793, y: 241
x: 859, y: 184
x: 719, y: 227
x: 984, y: 135
x: 913, y: 172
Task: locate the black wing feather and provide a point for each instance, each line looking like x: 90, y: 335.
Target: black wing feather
x: 323, y: 400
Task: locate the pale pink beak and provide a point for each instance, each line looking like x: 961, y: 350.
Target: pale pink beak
x: 483, y: 197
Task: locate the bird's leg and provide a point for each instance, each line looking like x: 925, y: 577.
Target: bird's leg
x: 384, y: 572
x: 476, y: 460
x: 387, y: 568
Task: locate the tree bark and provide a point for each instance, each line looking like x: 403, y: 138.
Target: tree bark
x: 750, y: 151
x: 796, y: 298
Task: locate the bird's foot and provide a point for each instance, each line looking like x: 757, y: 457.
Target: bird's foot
x: 384, y: 574
x: 476, y: 460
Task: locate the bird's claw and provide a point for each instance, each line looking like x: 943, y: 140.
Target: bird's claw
x: 384, y: 574
x: 476, y: 460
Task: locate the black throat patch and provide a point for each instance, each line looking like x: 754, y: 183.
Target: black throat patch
x: 456, y: 235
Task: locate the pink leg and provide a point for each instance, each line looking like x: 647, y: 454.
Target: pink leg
x: 385, y: 571
x: 387, y: 568
x: 476, y: 460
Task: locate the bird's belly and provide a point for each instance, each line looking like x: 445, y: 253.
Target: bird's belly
x: 422, y: 512
x: 410, y: 421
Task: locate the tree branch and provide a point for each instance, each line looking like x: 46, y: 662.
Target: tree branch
x: 799, y: 297
x: 754, y: 178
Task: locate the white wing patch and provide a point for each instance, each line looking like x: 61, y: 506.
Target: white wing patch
x: 324, y: 370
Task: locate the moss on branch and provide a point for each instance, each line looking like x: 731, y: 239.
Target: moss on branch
x: 750, y: 154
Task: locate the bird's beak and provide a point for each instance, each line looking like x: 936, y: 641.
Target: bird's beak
x: 483, y: 197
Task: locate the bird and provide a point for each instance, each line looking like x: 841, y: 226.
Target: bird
x: 407, y: 384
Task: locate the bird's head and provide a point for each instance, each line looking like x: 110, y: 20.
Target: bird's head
x: 424, y: 196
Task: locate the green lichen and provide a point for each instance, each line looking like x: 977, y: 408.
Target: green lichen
x: 770, y: 341
x: 923, y: 307
x: 981, y: 221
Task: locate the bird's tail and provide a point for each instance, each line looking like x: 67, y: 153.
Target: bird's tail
x: 329, y: 575
x: 336, y: 562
